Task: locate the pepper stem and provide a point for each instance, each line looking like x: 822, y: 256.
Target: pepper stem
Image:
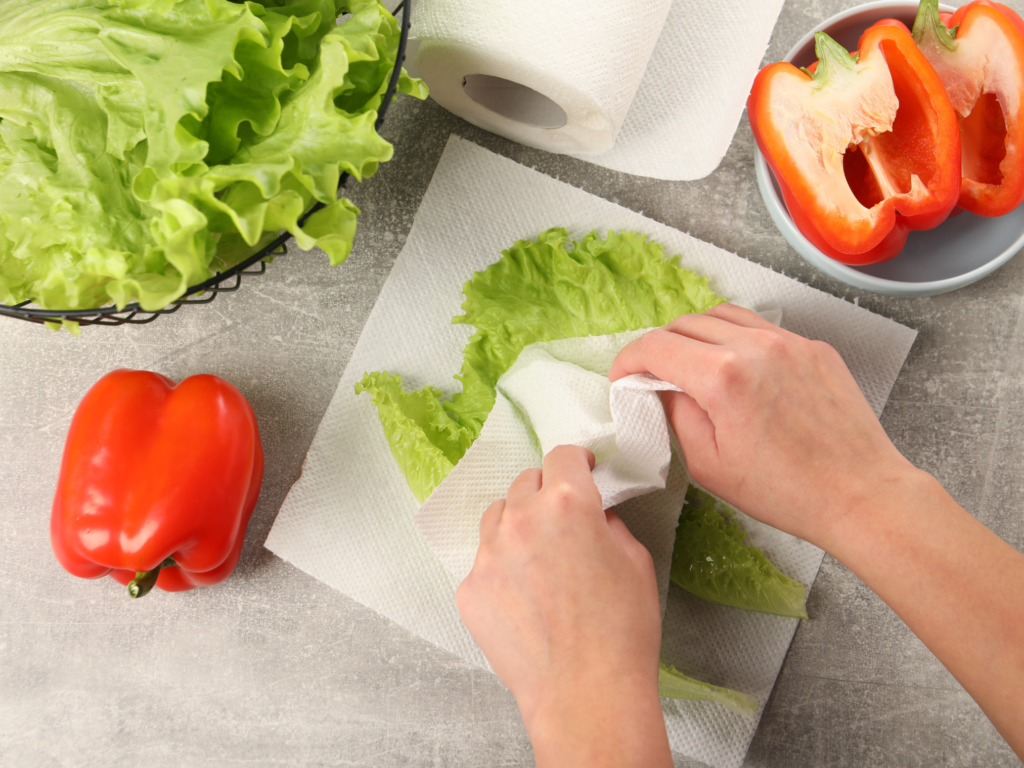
x: 144, y: 581
x: 928, y: 24
x: 833, y: 59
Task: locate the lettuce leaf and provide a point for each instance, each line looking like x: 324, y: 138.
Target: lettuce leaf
x: 711, y: 561
x: 673, y: 684
x: 146, y: 143
x: 417, y: 429
x: 539, y: 290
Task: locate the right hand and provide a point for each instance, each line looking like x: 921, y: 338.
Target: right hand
x: 771, y: 422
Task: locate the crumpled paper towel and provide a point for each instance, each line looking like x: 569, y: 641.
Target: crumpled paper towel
x: 634, y: 72
x: 348, y: 520
x: 558, y: 393
x: 563, y: 390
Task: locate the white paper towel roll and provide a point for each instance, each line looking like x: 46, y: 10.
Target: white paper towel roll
x: 554, y: 74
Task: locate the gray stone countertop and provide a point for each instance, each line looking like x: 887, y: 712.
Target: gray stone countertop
x: 273, y: 668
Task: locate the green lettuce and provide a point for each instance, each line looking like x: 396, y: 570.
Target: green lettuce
x: 673, y: 684
x: 145, y: 144
x: 712, y: 561
x: 539, y: 290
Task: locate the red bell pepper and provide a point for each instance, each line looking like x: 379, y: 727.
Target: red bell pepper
x: 158, y: 482
x: 864, y: 149
x: 978, y: 53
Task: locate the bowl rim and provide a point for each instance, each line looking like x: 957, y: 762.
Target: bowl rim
x: 835, y: 269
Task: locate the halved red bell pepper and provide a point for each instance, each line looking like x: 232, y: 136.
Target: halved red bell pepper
x: 978, y: 53
x: 864, y: 149
x: 158, y: 482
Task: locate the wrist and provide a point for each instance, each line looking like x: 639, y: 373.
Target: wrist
x: 610, y: 721
x: 893, y: 502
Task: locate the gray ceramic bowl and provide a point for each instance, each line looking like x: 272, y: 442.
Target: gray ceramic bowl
x: 958, y: 252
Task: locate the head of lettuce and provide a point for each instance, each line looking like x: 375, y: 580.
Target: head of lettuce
x: 146, y: 144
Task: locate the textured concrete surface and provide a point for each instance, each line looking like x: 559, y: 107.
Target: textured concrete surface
x: 274, y: 669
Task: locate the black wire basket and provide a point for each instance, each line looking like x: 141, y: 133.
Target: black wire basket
x: 223, y: 282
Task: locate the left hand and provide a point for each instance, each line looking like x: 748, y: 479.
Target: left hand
x: 564, y: 603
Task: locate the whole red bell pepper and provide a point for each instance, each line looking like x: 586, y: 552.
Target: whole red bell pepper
x: 158, y: 482
x: 865, y: 149
x: 978, y: 52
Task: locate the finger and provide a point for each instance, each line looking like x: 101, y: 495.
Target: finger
x: 696, y: 433
x: 741, y: 316
x: 490, y: 520
x: 689, y: 364
x: 708, y: 328
x: 524, y: 486
x: 568, y: 465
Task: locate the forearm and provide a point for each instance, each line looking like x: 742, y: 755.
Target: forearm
x: 618, y: 726
x: 957, y: 586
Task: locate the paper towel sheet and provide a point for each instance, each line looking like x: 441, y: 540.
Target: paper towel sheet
x: 686, y: 107
x: 691, y: 98
x: 558, y: 393
x: 348, y: 520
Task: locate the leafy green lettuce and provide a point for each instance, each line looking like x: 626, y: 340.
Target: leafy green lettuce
x: 538, y: 290
x: 673, y: 684
x: 146, y: 143
x: 711, y: 560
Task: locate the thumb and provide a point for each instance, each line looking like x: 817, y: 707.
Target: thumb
x: 636, y: 551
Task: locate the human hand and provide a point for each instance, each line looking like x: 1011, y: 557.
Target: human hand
x: 776, y: 425
x: 771, y: 422
x: 563, y: 601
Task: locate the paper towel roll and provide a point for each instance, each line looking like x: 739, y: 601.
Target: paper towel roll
x: 558, y: 75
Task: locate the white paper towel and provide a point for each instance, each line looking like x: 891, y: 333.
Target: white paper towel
x: 558, y: 393
x: 348, y: 521
x: 562, y: 388
x: 667, y: 82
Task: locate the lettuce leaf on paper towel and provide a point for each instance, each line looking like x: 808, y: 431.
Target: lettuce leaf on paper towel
x: 673, y: 684
x: 145, y: 143
x: 711, y: 560
x: 539, y: 290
